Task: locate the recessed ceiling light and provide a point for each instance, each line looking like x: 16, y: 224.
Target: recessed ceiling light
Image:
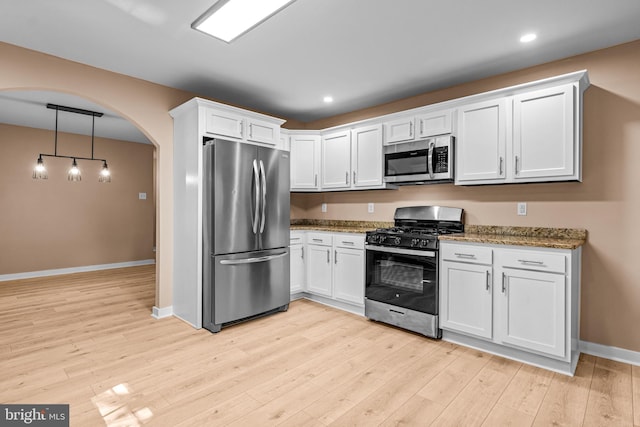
x: 528, y: 38
x: 228, y: 19
x: 328, y: 99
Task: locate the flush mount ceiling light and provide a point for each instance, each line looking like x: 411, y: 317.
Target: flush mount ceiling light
x: 328, y: 99
x: 228, y: 19
x: 528, y: 38
x: 40, y: 171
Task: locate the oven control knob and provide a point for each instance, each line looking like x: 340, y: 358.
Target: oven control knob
x: 396, y: 240
x: 424, y: 242
x: 415, y: 242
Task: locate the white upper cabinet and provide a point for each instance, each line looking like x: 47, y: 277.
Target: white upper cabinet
x: 399, y: 130
x: 224, y: 123
x: 305, y: 162
x: 435, y: 123
x: 366, y: 157
x: 481, y: 142
x: 336, y: 160
x: 262, y: 131
x: 533, y: 134
x: 543, y: 134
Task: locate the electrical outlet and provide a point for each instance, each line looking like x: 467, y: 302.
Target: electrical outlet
x: 142, y: 196
x: 522, y: 208
x: 323, y: 207
x: 370, y: 207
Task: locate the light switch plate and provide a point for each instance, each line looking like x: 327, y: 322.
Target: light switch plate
x: 323, y: 207
x: 370, y: 208
x: 142, y: 196
x: 522, y: 208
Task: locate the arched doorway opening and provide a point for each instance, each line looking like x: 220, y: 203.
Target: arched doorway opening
x: 56, y: 225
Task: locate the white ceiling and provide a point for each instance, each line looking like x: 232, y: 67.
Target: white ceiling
x: 363, y: 52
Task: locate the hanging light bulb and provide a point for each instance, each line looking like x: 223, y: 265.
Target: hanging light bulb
x: 40, y: 172
x: 74, y: 172
x: 105, y: 175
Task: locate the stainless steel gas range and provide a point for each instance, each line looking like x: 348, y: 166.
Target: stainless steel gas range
x: 402, y: 268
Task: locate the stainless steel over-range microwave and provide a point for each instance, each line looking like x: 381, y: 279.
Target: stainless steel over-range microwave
x: 419, y: 162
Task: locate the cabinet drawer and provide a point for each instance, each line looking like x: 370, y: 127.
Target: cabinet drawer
x: 296, y: 238
x: 465, y: 253
x: 348, y: 241
x: 531, y: 260
x: 319, y: 239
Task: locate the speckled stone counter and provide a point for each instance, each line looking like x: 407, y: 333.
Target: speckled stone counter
x: 337, y: 226
x: 558, y: 238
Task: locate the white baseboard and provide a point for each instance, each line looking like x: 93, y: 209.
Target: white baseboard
x: 58, y: 271
x: 608, y: 352
x: 161, y: 313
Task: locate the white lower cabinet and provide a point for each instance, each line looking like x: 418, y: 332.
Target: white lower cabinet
x: 333, y: 266
x: 319, y: 269
x: 466, y: 298
x: 297, y: 262
x: 522, y: 303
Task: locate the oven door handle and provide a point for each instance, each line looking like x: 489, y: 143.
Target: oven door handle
x: 401, y: 251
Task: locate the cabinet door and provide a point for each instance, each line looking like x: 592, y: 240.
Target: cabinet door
x: 305, y: 159
x: 297, y: 268
x: 543, y: 133
x: 224, y: 124
x: 366, y: 156
x: 532, y: 311
x: 264, y: 132
x: 348, y: 275
x: 434, y: 123
x: 319, y: 260
x: 336, y: 160
x: 399, y: 130
x: 481, y: 145
x: 465, y: 298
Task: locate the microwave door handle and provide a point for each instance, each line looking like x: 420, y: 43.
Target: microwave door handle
x: 430, y: 158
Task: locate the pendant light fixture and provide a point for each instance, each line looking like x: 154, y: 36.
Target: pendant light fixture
x: 74, y: 174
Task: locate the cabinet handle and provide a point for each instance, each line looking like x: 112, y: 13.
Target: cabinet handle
x: 302, y: 255
x: 526, y: 261
x: 315, y: 180
x: 335, y: 257
x: 464, y: 255
x: 328, y: 256
x: 344, y: 242
x: 504, y: 285
x: 240, y: 128
x: 346, y: 177
x: 501, y: 163
x: 354, y: 178
x: 421, y: 127
x: 317, y: 240
x: 517, y: 159
x: 488, y: 280
x: 250, y: 130
x: 411, y: 129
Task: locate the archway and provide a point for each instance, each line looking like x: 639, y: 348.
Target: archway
x: 57, y: 227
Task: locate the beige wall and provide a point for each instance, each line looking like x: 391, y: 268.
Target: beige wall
x: 54, y: 223
x: 606, y: 203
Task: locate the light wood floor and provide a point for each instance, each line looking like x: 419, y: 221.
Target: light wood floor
x: 88, y: 340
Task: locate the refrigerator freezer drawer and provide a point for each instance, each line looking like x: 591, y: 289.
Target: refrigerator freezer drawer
x: 248, y: 284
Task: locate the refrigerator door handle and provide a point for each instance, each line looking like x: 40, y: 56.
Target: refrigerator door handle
x: 251, y: 260
x: 256, y: 182
x: 263, y: 181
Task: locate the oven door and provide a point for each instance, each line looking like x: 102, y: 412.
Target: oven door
x: 403, y: 278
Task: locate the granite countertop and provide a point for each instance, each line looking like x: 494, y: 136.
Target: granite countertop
x: 337, y: 226
x: 557, y: 238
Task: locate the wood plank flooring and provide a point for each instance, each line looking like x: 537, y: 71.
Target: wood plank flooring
x: 88, y: 340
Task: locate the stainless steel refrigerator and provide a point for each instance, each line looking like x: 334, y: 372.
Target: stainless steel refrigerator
x: 245, y: 232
